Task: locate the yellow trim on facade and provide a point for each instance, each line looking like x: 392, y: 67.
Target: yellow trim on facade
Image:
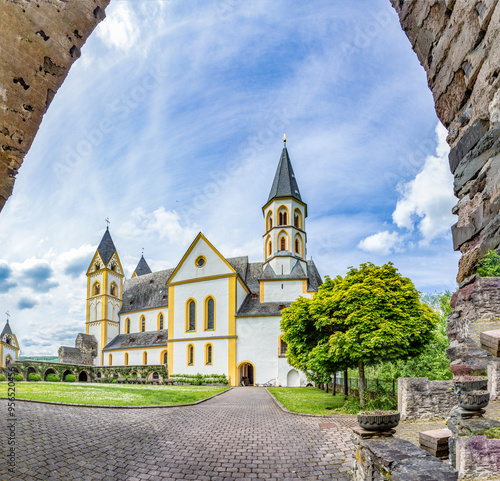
x: 191, y: 247
x: 286, y: 198
x: 287, y: 240
x: 201, y: 279
x: 158, y: 321
x: 127, y: 325
x: 171, y: 313
x: 187, y: 315
x: 205, y: 313
x: 207, y: 345
x: 282, y: 208
x: 232, y: 293
x: 125, y: 359
x: 188, y: 355
x: 238, y: 371
x: 261, y: 291
x: 240, y: 280
x: 145, y: 358
x: 110, y: 359
x: 104, y: 294
x: 162, y: 355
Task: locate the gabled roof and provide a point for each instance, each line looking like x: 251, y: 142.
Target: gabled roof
x: 6, y: 330
x: 142, y: 268
x: 106, y: 247
x: 138, y: 339
x: 285, y: 184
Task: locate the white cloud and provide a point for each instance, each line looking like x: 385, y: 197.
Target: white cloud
x: 120, y: 28
x: 427, y: 200
x: 382, y: 243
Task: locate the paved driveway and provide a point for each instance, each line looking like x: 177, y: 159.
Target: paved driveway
x: 240, y: 434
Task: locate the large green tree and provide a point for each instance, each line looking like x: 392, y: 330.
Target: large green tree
x: 371, y: 315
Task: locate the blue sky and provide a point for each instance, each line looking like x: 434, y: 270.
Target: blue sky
x: 171, y: 123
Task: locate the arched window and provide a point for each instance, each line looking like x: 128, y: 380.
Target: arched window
x: 297, y: 246
x: 282, y: 244
x: 127, y: 326
x: 164, y: 357
x: 190, y: 355
x: 96, y: 288
x: 8, y: 340
x: 160, y: 321
x: 283, y: 347
x: 191, y: 315
x: 125, y: 360
x: 269, y: 220
x: 110, y: 360
x: 297, y: 218
x: 113, y: 267
x: 144, y: 357
x: 97, y: 266
x: 210, y: 314
x: 270, y: 248
x: 208, y: 354
x: 113, y: 290
x: 143, y: 324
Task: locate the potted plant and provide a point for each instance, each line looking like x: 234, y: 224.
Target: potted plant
x: 469, y: 383
x: 378, y: 420
x: 473, y: 400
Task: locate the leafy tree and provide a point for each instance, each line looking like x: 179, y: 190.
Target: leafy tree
x: 371, y: 315
x: 489, y: 265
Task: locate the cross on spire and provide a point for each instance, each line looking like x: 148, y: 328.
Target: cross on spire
x: 108, y: 222
x: 143, y: 251
x: 8, y: 315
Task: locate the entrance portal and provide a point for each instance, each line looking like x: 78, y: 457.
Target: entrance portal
x: 247, y: 374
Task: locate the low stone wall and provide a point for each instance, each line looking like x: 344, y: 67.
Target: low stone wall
x: 477, y: 457
x: 494, y: 381
x: 419, y: 398
x: 379, y: 458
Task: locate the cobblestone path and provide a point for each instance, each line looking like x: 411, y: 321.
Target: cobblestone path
x: 240, y: 434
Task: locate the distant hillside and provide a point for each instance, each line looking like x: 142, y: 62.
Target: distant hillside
x: 39, y: 358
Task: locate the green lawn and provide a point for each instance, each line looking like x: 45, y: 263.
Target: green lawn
x: 111, y: 394
x: 309, y: 400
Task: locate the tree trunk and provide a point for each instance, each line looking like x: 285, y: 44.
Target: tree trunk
x: 361, y: 369
x: 326, y: 386
x: 346, y: 385
x: 334, y: 390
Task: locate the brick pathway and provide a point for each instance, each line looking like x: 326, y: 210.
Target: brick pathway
x: 240, y: 434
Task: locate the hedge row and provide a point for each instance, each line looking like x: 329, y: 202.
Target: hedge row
x: 199, y: 379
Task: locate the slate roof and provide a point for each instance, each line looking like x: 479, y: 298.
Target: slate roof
x: 285, y: 183
x: 150, y: 290
x: 142, y: 267
x: 6, y: 330
x: 255, y: 308
x: 138, y: 339
x: 106, y: 247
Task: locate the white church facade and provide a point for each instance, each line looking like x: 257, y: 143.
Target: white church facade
x: 209, y: 314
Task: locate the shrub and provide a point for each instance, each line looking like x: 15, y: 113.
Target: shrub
x: 384, y: 402
x: 489, y: 265
x: 53, y: 378
x: 114, y: 380
x: 352, y: 406
x: 70, y: 378
x: 18, y: 377
x: 2, y: 377
x: 34, y: 377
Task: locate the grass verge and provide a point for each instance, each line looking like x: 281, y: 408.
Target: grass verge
x: 310, y: 400
x: 112, y: 394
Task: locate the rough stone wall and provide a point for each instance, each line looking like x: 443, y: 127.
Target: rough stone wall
x: 419, y: 398
x: 87, y: 345
x: 477, y: 457
x: 380, y: 458
x: 39, y: 41
x: 457, y: 43
x: 69, y: 355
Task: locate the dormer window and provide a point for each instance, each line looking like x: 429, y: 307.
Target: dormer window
x: 8, y: 340
x: 97, y: 266
x: 113, y: 267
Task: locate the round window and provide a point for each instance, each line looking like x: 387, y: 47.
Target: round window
x: 200, y: 261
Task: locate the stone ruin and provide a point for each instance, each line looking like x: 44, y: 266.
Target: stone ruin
x: 84, y: 352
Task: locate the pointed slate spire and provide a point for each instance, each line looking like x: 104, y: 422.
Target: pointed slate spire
x: 106, y: 247
x: 6, y: 330
x: 285, y: 184
x: 142, y: 268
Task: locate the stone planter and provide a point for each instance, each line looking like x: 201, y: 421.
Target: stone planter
x: 473, y: 401
x: 378, y: 420
x: 467, y: 386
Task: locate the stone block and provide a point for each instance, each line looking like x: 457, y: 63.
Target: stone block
x: 477, y: 457
x: 490, y: 341
x: 468, y: 141
x: 435, y: 442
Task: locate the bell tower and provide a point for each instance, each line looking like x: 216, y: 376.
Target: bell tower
x: 104, y: 294
x: 285, y: 237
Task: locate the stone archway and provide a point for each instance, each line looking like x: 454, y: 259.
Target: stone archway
x: 246, y: 373
x: 83, y: 377
x: 50, y: 370
x: 65, y: 373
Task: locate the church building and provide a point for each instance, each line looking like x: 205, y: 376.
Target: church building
x: 209, y: 314
x: 9, y: 347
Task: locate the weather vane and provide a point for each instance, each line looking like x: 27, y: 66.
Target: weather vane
x: 284, y: 138
x: 8, y: 315
x: 108, y: 221
x: 143, y: 251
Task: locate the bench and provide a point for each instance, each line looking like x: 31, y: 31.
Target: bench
x: 169, y: 381
x: 490, y: 341
x: 141, y: 380
x: 131, y: 380
x: 435, y: 442
x: 154, y: 381
x: 121, y: 380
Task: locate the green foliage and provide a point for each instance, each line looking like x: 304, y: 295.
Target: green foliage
x: 382, y: 403
x: 70, y: 378
x: 200, y: 379
x: 53, y: 378
x: 18, y: 377
x: 352, y: 406
x: 489, y: 265
x: 2, y: 377
x: 34, y: 377
x: 493, y: 433
x: 115, y: 380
